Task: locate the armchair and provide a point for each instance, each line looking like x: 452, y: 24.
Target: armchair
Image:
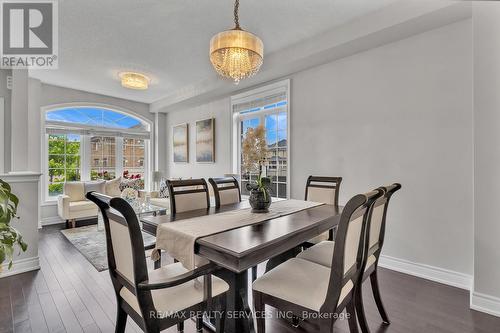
x: 73, y: 205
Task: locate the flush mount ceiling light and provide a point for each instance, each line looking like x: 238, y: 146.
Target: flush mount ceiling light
x: 134, y: 80
x: 236, y: 54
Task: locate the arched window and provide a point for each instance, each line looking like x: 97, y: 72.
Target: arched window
x: 94, y: 143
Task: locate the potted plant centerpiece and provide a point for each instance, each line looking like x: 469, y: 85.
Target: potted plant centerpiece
x: 9, y: 236
x: 260, y: 198
x: 254, y: 155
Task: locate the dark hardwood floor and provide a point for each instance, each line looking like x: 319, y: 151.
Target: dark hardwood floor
x: 69, y: 295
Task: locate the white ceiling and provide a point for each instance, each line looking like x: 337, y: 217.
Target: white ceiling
x: 168, y: 39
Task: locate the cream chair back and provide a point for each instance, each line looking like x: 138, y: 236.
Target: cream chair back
x: 323, y: 189
x: 226, y: 190
x: 377, y: 222
x: 125, y: 247
x: 347, y: 258
x: 187, y: 195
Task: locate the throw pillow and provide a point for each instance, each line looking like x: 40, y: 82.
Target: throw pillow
x: 163, y: 192
x: 112, y: 187
x: 95, y: 186
x: 136, y: 184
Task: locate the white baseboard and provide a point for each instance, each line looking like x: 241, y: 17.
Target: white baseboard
x: 20, y: 266
x: 485, y: 303
x: 51, y: 220
x: 427, y: 272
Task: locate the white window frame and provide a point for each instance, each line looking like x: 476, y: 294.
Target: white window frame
x: 236, y: 118
x: 85, y: 145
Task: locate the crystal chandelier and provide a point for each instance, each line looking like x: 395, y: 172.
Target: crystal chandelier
x: 236, y: 54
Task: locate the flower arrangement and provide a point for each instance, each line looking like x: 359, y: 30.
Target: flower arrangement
x: 129, y: 194
x: 254, y: 155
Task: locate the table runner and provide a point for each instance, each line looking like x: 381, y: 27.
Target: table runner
x: 179, y: 238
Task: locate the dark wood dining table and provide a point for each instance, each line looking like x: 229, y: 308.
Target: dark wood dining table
x: 238, y: 250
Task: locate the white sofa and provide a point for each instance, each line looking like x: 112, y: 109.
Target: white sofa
x: 157, y: 201
x: 73, y: 205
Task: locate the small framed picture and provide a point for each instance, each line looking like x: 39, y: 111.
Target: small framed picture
x: 180, y: 141
x: 205, y: 141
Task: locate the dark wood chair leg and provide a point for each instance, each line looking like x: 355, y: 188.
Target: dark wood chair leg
x: 121, y: 320
x: 254, y: 273
x: 360, y: 310
x: 353, y: 322
x: 180, y: 327
x: 220, y: 319
x: 378, y: 299
x: 326, y: 325
x: 259, y: 312
x: 199, y: 321
x: 331, y: 235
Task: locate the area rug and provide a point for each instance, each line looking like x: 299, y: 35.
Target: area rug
x: 92, y: 244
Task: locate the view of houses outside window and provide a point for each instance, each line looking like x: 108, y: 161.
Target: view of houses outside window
x: 133, y: 158
x: 103, y: 158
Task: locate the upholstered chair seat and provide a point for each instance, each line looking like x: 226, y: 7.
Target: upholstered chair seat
x: 322, y: 254
x: 78, y: 206
x: 178, y: 298
x: 299, y: 282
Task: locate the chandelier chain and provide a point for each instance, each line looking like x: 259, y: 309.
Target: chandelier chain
x: 236, y: 16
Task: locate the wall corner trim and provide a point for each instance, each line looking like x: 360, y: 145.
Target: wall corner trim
x: 485, y: 303
x: 20, y: 266
x: 432, y: 273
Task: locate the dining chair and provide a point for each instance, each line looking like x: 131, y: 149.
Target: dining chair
x: 373, y: 248
x: 302, y: 287
x: 226, y: 190
x: 324, y: 190
x: 187, y: 195
x: 161, y: 298
x: 322, y: 254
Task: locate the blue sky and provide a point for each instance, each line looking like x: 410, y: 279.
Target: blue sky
x: 275, y: 124
x: 93, y: 117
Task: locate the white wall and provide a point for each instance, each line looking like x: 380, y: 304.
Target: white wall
x: 398, y: 113
x: 5, y: 128
x: 219, y: 110
x: 486, y: 291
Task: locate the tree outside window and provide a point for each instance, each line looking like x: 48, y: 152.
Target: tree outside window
x: 64, y: 161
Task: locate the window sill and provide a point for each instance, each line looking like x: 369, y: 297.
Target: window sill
x: 49, y: 203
